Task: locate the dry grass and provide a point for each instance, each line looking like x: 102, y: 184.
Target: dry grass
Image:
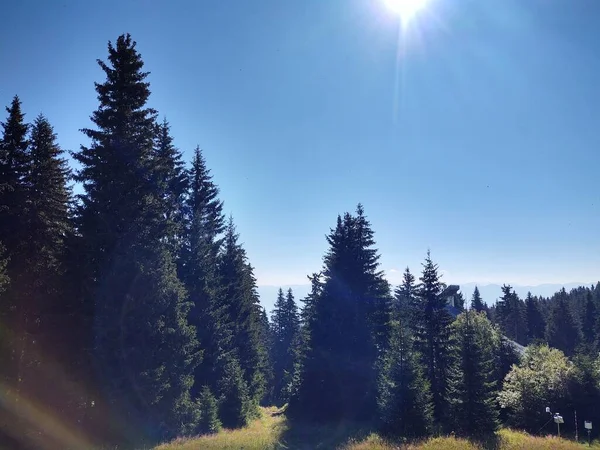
x: 262, y: 434
x: 272, y: 432
x: 374, y: 442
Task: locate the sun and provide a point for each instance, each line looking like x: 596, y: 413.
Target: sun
x: 406, y: 9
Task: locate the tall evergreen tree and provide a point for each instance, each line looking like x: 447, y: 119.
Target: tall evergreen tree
x: 404, y: 397
x: 143, y: 344
x: 476, y: 301
x: 433, y: 335
x: 41, y: 294
x: 243, y: 308
x: 307, y: 316
x: 511, y: 315
x: 14, y: 168
x: 346, y: 327
x: 209, y: 412
x: 472, y: 393
x: 406, y: 307
x: 48, y: 214
x: 588, y: 322
x: 202, y: 241
x: 562, y: 331
x: 459, y: 301
x: 286, y: 328
x: 267, y: 342
x: 172, y: 181
x: 535, y: 321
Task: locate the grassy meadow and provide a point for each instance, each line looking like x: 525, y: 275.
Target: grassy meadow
x: 273, y: 432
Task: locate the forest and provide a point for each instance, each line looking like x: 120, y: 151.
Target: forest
x: 129, y: 312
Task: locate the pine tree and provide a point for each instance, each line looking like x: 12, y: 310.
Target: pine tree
x: 588, y: 322
x: 472, y: 393
x: 204, y: 224
x: 143, y: 342
x: 535, y: 321
x: 14, y: 167
x: 511, y: 315
x: 404, y: 398
x: 243, y: 308
x: 307, y: 317
x: 286, y: 328
x: 236, y: 403
x: 48, y: 218
x: 209, y: 422
x: 433, y: 336
x: 41, y: 296
x: 459, y: 301
x: 172, y: 180
x: 406, y: 308
x: 476, y: 301
x: 561, y: 330
x: 346, y: 328
x: 266, y: 342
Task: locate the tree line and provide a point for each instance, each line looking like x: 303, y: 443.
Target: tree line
x: 129, y: 308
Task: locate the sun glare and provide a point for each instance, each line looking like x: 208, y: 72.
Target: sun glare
x: 406, y: 9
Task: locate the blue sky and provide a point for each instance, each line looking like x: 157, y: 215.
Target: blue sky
x: 474, y: 132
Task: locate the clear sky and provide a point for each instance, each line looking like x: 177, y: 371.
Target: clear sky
x: 474, y: 132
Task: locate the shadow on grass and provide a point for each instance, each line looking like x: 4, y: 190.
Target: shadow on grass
x: 298, y: 435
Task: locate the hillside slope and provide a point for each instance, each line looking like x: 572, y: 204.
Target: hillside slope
x: 273, y: 432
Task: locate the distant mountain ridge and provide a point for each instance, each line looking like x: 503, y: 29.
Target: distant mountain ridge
x: 489, y: 292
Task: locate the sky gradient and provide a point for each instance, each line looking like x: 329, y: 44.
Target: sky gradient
x: 474, y: 132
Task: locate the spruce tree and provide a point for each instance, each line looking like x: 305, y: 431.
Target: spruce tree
x: 535, y: 321
x: 511, y: 315
x: 562, y: 331
x: 459, y: 301
x: 204, y: 224
x: 172, y: 181
x: 48, y: 221
x: 243, y: 309
x: 406, y: 308
x: 286, y: 327
x: 209, y: 422
x: 472, y: 393
x: 588, y: 322
x: 143, y: 343
x: 266, y: 342
x: 14, y: 167
x: 433, y: 336
x: 347, y: 326
x: 42, y: 299
x: 307, y: 316
x: 476, y: 301
x: 235, y: 401
x: 404, y: 398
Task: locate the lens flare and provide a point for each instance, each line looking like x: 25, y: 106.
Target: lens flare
x: 406, y: 9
